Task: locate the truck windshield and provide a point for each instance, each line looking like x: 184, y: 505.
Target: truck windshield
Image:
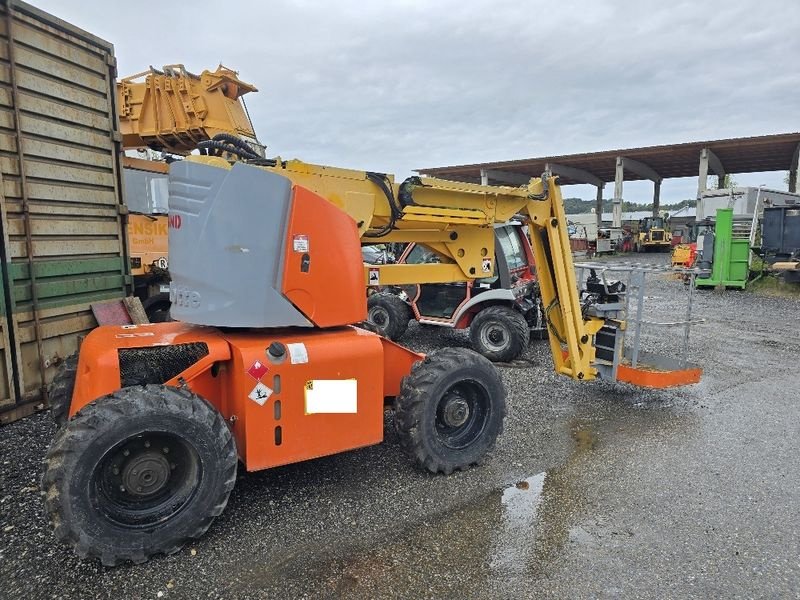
x: 511, y: 246
x: 146, y: 192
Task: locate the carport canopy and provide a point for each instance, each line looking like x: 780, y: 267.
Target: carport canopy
x: 777, y: 152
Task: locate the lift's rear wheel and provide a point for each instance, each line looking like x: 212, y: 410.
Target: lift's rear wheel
x: 450, y: 410
x: 59, y: 394
x: 499, y: 333
x: 138, y: 473
x: 389, y: 313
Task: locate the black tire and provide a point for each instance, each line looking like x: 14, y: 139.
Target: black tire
x: 59, y: 394
x: 138, y: 473
x: 499, y: 333
x: 157, y: 308
x: 450, y: 410
x: 389, y: 313
x: 159, y: 313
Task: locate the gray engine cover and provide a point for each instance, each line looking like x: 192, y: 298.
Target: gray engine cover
x: 226, y: 239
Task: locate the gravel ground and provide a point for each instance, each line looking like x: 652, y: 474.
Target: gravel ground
x: 594, y: 490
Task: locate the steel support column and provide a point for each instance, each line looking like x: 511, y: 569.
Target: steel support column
x: 616, y: 206
x: 656, y: 197
x: 599, y: 206
x: 793, y: 170
x: 707, y: 160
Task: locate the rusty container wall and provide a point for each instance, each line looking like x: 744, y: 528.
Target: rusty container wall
x: 62, y: 219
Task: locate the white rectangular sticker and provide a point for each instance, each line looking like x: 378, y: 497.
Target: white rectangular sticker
x: 298, y: 354
x: 300, y: 243
x: 374, y: 277
x: 331, y: 396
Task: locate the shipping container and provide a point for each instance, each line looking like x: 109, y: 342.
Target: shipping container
x: 62, y: 218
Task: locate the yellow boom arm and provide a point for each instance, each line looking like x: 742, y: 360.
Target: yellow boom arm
x: 457, y: 220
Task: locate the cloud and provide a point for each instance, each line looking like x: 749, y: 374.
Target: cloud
x: 397, y: 85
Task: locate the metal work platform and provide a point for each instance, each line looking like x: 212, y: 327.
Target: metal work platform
x: 621, y: 291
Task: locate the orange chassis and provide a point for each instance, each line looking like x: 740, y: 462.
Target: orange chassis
x: 266, y: 399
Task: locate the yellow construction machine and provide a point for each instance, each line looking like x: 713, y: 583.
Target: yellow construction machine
x: 164, y: 113
x: 653, y: 235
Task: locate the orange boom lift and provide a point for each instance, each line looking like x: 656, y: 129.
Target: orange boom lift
x: 266, y: 363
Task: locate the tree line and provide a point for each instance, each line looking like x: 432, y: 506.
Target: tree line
x: 577, y: 206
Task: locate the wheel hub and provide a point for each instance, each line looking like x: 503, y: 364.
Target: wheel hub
x: 456, y: 412
x: 146, y: 473
x: 496, y: 335
x: 379, y: 316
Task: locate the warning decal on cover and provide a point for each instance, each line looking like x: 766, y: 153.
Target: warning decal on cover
x: 298, y: 354
x: 300, y: 243
x: 487, y: 265
x: 331, y: 396
x: 260, y: 394
x: 374, y: 277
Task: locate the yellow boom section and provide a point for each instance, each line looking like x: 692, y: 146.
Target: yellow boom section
x: 457, y: 221
x: 173, y: 110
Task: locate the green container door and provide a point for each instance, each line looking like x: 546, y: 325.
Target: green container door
x: 731, y: 256
x: 739, y: 262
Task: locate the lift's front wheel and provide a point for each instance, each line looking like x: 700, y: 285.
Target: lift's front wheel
x: 138, y: 473
x: 450, y: 410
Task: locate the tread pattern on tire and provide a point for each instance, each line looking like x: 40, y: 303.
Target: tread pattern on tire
x: 66, y: 450
x: 399, y: 313
x: 414, y: 392
x: 59, y: 394
x: 517, y: 324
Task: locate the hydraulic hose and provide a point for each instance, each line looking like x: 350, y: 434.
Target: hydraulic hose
x: 382, y: 182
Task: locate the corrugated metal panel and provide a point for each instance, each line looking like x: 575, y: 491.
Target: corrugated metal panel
x: 63, y: 232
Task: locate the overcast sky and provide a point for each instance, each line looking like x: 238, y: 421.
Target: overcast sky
x: 396, y: 85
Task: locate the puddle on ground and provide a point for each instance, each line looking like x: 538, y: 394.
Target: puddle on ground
x: 538, y: 516
x: 520, y: 505
x: 496, y: 545
x: 488, y: 547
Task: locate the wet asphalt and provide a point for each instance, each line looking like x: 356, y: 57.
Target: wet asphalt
x: 594, y: 490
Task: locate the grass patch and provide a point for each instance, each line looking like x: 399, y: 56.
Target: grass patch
x: 771, y: 285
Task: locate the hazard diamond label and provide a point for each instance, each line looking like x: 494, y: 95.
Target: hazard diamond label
x: 257, y: 370
x: 260, y: 394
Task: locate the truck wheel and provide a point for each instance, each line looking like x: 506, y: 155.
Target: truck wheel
x: 389, y: 313
x: 137, y: 473
x: 450, y: 410
x: 500, y: 333
x: 59, y: 394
